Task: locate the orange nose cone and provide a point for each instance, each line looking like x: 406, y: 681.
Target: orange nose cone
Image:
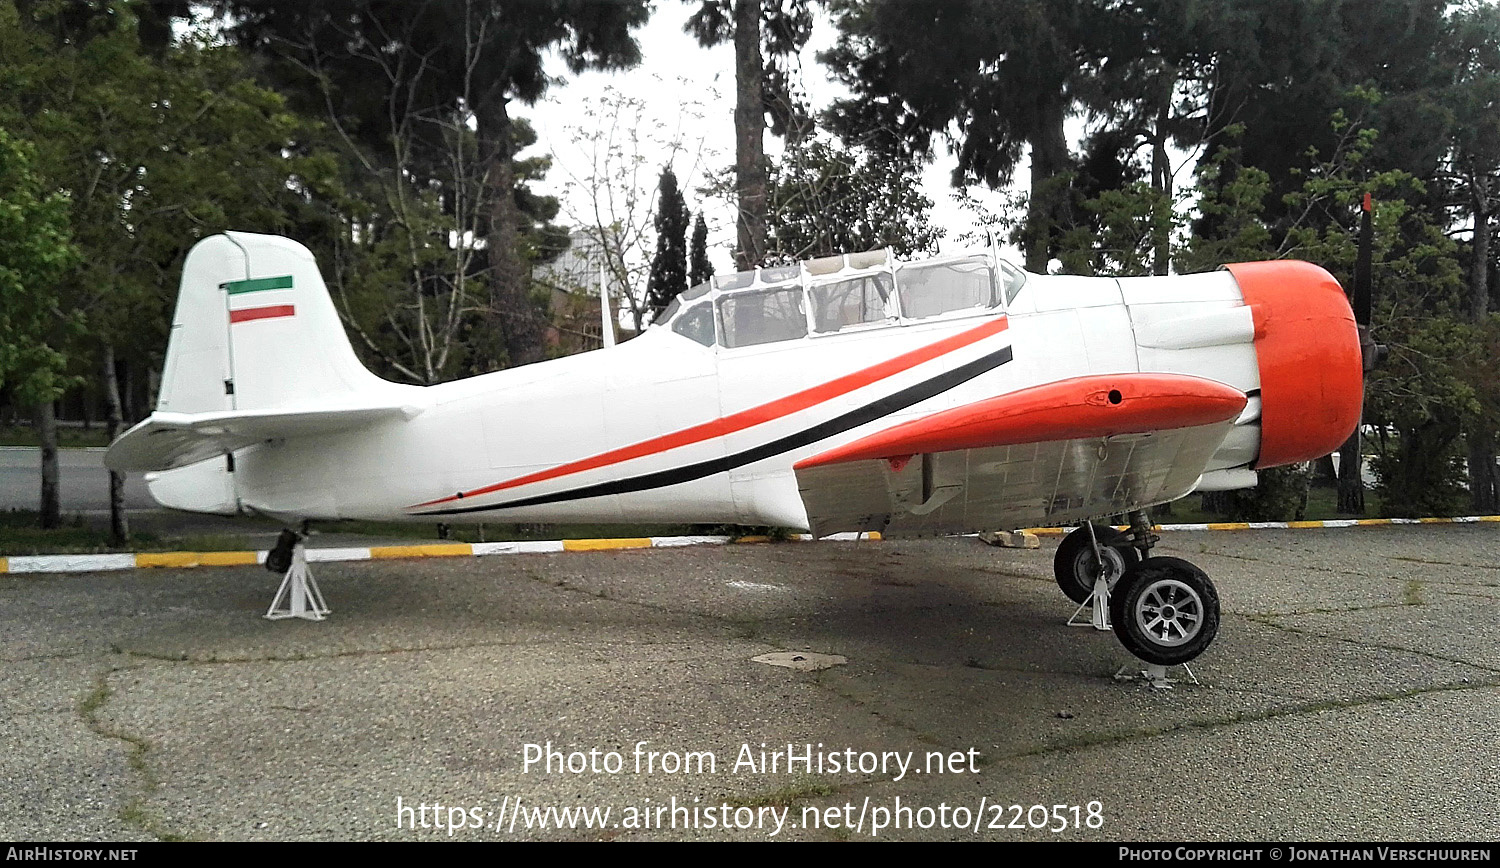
x: 1307, y: 347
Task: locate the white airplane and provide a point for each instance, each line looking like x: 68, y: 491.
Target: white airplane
x: 850, y: 393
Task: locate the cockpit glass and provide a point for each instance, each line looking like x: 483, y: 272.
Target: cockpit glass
x: 738, y: 280
x: 938, y: 288
x: 780, y: 273
x: 669, y: 311
x: 850, y: 302
x: 697, y: 324
x: 1011, y: 279
x: 750, y: 318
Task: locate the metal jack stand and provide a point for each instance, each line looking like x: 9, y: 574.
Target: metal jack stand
x: 299, y: 590
x: 1098, y: 601
x: 1098, y: 606
x: 1153, y: 674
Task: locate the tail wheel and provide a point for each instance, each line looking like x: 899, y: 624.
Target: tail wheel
x: 1165, y: 611
x: 1076, y: 568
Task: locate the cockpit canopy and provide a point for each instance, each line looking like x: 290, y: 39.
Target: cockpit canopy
x: 839, y: 294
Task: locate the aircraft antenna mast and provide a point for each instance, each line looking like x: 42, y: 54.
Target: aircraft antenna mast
x: 606, y: 324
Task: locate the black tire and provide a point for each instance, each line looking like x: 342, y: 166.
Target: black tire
x: 279, y: 558
x: 1165, y: 611
x: 1075, y: 567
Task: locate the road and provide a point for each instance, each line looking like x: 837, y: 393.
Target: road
x: 1351, y: 696
x: 84, y: 482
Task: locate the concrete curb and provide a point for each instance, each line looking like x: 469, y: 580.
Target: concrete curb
x: 1293, y: 525
x: 180, y: 560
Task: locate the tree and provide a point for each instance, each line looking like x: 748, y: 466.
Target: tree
x: 827, y: 200
x: 994, y: 80
x: 608, y: 194
x: 444, y: 59
x: 157, y: 145
x: 408, y: 269
x: 1471, y: 174
x: 760, y: 30
x: 1280, y: 69
x: 35, y: 251
x: 669, y: 266
x: 699, y: 268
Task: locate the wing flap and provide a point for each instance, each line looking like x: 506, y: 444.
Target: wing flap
x: 165, y: 441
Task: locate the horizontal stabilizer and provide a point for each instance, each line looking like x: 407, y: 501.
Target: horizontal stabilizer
x: 168, y: 440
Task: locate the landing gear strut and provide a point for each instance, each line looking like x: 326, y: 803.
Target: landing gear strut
x: 1164, y: 610
x: 298, y: 596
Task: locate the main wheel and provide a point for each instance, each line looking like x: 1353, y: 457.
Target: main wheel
x: 1076, y: 567
x: 1165, y: 611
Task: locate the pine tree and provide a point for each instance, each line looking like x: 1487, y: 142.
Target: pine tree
x: 700, y: 269
x: 669, y: 266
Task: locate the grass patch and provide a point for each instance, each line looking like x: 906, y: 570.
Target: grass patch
x: 21, y: 533
x: 206, y: 542
x: 67, y: 436
x: 1322, y: 505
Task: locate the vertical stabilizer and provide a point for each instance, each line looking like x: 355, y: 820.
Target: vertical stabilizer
x: 255, y: 329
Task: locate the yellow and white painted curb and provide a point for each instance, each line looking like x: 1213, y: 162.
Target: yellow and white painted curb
x: 178, y: 560
x: 129, y: 561
x: 1284, y: 525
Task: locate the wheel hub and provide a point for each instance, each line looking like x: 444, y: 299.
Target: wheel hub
x: 1088, y: 568
x: 1170, y: 612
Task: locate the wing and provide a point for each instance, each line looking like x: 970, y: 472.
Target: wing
x: 1051, y: 454
x: 167, y: 440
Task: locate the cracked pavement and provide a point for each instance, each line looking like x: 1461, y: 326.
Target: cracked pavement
x: 1352, y: 693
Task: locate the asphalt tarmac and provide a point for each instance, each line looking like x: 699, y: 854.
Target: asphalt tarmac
x: 1352, y: 694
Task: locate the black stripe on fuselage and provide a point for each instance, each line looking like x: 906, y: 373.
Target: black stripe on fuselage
x: 837, y: 425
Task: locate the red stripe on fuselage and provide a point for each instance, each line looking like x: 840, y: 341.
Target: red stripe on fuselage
x: 271, y: 312
x: 749, y: 418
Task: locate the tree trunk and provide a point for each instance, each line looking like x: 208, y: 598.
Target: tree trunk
x: 1049, y: 161
x: 1484, y: 487
x: 1479, y: 272
x: 46, y: 427
x: 119, y: 527
x: 1484, y: 481
x: 1161, y: 178
x: 1351, y: 476
x: 520, y: 327
x: 749, y: 136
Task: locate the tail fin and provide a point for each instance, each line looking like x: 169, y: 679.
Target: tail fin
x: 255, y: 329
x: 257, y: 352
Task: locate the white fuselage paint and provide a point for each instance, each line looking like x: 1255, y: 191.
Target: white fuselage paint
x: 478, y: 432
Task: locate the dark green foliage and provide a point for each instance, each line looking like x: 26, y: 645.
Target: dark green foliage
x: 996, y: 80
x: 1279, y: 495
x: 154, y: 150
x: 668, y: 277
x: 699, y: 268
x: 35, y: 252
x: 420, y: 97
x: 827, y: 199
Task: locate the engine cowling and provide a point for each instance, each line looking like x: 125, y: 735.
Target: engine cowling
x: 1307, y: 349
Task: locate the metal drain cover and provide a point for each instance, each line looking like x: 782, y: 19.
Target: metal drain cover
x: 802, y: 661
